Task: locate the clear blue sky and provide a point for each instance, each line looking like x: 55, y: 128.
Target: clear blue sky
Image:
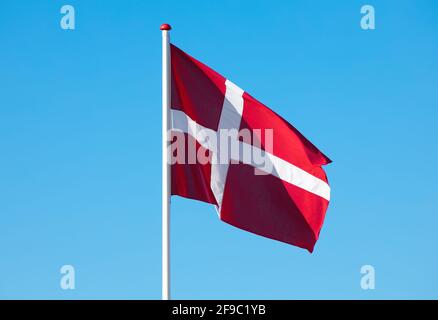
x: 80, y: 116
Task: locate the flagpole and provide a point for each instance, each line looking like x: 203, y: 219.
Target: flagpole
x: 165, y: 28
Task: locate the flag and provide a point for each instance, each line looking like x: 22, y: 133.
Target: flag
x: 230, y: 150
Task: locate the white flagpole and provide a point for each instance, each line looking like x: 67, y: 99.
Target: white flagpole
x: 165, y: 28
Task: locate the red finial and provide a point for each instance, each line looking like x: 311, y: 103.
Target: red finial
x: 165, y: 26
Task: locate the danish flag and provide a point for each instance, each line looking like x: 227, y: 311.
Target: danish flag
x: 288, y: 202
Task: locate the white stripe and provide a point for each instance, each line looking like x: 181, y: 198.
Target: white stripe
x: 231, y: 116
x: 284, y: 170
x: 232, y: 108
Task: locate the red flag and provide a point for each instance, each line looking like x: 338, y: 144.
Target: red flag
x: 272, y: 185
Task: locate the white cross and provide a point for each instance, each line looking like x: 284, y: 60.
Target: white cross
x: 230, y: 118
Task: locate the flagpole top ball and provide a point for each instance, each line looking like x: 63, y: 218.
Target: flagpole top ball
x: 165, y: 26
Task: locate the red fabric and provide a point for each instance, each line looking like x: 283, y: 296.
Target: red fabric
x: 262, y: 204
x: 196, y: 89
x: 192, y: 180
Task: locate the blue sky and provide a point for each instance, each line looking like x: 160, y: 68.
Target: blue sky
x: 80, y: 116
